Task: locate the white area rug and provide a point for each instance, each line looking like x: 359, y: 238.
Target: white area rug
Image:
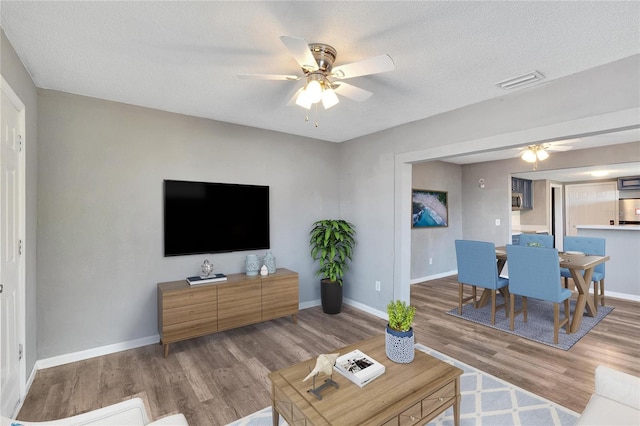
x: 486, y: 400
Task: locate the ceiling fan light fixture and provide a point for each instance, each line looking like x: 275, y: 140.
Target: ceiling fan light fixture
x: 542, y: 154
x: 529, y: 156
x: 314, y: 91
x: 329, y: 98
x: 303, y: 100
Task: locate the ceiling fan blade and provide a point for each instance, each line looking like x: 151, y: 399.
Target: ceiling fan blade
x: 268, y: 77
x: 301, y: 52
x: 351, y: 92
x: 375, y: 65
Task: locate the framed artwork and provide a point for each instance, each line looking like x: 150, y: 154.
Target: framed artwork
x: 429, y: 209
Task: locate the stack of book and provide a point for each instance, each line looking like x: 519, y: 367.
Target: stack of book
x: 208, y: 279
x: 358, y: 367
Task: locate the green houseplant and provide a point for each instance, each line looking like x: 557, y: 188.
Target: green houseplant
x: 399, y: 337
x: 332, y: 242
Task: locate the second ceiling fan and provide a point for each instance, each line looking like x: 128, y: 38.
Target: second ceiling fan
x: 323, y: 80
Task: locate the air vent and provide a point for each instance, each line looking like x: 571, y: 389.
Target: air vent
x: 521, y: 80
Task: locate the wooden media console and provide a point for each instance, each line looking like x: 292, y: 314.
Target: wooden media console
x: 187, y: 311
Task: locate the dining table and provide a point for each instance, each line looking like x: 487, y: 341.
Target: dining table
x: 581, y: 267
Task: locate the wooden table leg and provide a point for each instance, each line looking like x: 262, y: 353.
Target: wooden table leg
x: 275, y: 416
x: 486, y: 293
x: 582, y: 284
x: 166, y: 350
x: 456, y: 404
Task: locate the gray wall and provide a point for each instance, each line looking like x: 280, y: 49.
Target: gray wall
x: 495, y: 203
x: 101, y: 168
x: 589, y: 101
x: 437, y: 243
x: 17, y: 77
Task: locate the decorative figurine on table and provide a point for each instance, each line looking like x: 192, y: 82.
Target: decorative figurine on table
x: 324, y: 364
x: 207, y: 268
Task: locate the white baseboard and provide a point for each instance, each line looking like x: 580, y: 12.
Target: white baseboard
x: 433, y: 277
x: 366, y: 308
x: 311, y: 304
x: 91, y: 353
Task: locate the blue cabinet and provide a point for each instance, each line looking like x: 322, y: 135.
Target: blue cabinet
x: 524, y: 187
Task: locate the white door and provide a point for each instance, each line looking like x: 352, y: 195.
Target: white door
x: 591, y: 204
x: 11, y: 265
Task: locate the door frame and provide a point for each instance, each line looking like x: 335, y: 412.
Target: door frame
x: 556, y: 203
x: 6, y: 90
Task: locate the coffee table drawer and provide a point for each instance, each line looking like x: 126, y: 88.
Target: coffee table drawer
x: 411, y: 416
x: 439, y: 398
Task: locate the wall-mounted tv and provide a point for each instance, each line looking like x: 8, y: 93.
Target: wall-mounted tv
x: 203, y: 217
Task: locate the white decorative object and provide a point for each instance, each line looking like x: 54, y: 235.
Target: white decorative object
x: 252, y: 265
x: 270, y: 262
x: 324, y: 364
x: 207, y: 268
x: 264, y: 271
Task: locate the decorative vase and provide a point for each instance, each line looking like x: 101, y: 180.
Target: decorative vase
x: 270, y: 262
x: 252, y: 265
x: 207, y: 268
x: 264, y: 271
x: 330, y: 296
x: 399, y: 345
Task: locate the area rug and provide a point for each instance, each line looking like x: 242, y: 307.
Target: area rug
x: 539, y: 326
x: 486, y: 400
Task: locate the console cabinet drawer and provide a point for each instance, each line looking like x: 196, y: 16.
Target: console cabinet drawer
x: 190, y: 313
x: 189, y: 297
x: 189, y: 329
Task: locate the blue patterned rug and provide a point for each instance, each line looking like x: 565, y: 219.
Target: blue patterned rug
x: 539, y: 326
x: 486, y: 400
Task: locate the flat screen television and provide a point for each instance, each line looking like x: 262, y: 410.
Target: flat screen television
x: 203, y: 217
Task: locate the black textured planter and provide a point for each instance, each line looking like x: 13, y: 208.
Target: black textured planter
x: 331, y: 296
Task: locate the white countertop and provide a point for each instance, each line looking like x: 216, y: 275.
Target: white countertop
x: 611, y: 227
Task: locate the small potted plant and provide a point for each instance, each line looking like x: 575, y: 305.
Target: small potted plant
x: 332, y: 242
x: 399, y: 338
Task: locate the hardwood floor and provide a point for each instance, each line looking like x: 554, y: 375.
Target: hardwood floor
x: 219, y: 378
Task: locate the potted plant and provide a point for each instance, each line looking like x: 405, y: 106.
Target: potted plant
x: 399, y: 339
x: 332, y: 242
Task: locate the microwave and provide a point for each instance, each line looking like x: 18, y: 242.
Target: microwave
x: 516, y: 201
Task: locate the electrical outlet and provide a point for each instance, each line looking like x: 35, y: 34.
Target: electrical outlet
x: 497, y: 222
x: 431, y: 261
x: 377, y: 285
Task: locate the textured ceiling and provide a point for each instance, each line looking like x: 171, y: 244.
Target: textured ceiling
x: 183, y: 56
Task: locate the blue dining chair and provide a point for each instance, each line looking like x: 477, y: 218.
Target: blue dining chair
x: 477, y: 267
x: 543, y: 239
x: 587, y: 245
x: 535, y: 272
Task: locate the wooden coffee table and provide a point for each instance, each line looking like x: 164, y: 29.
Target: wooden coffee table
x: 405, y: 394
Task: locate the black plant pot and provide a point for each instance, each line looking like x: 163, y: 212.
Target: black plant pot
x: 331, y: 296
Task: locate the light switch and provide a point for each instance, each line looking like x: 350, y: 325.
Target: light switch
x: 497, y: 222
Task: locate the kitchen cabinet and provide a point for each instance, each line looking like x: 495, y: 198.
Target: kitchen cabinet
x: 524, y: 187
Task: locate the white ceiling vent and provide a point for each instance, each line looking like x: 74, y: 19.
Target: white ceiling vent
x: 521, y: 80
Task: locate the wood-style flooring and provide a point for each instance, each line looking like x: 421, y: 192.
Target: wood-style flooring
x: 220, y: 378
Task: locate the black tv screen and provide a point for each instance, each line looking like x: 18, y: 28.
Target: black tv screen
x: 203, y: 217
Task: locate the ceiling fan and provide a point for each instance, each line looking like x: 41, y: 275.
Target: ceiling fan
x: 322, y: 80
x: 538, y: 152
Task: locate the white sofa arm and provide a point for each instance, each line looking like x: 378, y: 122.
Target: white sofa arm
x: 618, y: 386
x: 131, y: 412
x: 175, y: 420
